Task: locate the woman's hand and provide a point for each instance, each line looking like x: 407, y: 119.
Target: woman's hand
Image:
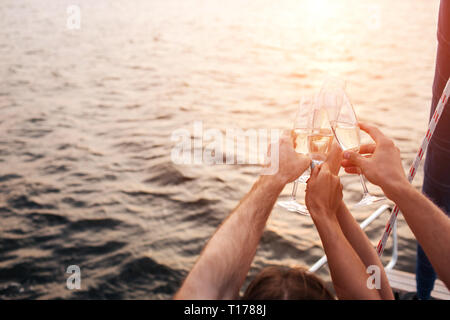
x: 323, y: 194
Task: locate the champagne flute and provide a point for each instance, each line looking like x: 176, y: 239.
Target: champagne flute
x: 346, y: 130
x: 331, y: 96
x: 302, y: 128
x: 321, y: 136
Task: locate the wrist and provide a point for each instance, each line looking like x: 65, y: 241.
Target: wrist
x: 327, y: 227
x: 274, y: 181
x: 396, y: 189
x: 323, y: 217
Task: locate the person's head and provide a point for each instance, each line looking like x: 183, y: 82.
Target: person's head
x: 280, y: 283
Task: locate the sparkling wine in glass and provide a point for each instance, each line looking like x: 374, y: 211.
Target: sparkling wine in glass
x: 321, y: 136
x: 302, y: 129
x: 347, y: 135
x: 346, y: 130
x: 301, y: 140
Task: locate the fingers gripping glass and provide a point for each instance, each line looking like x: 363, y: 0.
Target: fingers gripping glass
x: 302, y: 128
x: 317, y: 143
x: 346, y: 130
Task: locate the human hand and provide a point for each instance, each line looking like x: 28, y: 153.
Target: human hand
x: 323, y: 193
x: 290, y: 163
x: 381, y: 165
x: 334, y: 158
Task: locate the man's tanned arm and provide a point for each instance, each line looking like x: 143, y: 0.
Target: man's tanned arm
x: 429, y: 224
x: 225, y: 261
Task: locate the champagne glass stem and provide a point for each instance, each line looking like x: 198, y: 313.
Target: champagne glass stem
x: 294, y: 190
x: 363, y: 183
x: 367, y: 198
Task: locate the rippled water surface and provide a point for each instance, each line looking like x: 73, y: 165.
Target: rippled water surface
x: 86, y: 176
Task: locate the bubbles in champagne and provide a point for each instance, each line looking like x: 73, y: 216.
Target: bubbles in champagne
x: 301, y: 141
x: 347, y: 135
x: 319, y: 142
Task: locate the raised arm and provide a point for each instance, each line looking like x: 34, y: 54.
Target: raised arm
x: 353, y: 232
x: 429, y: 224
x: 323, y: 199
x: 225, y: 261
x: 363, y: 248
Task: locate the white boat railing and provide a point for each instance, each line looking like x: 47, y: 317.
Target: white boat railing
x: 322, y: 261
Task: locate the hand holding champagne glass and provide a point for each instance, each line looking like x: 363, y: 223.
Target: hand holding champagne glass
x: 319, y: 120
x: 314, y: 136
x: 302, y: 128
x: 346, y: 130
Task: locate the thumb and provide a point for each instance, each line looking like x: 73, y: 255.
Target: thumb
x: 355, y: 158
